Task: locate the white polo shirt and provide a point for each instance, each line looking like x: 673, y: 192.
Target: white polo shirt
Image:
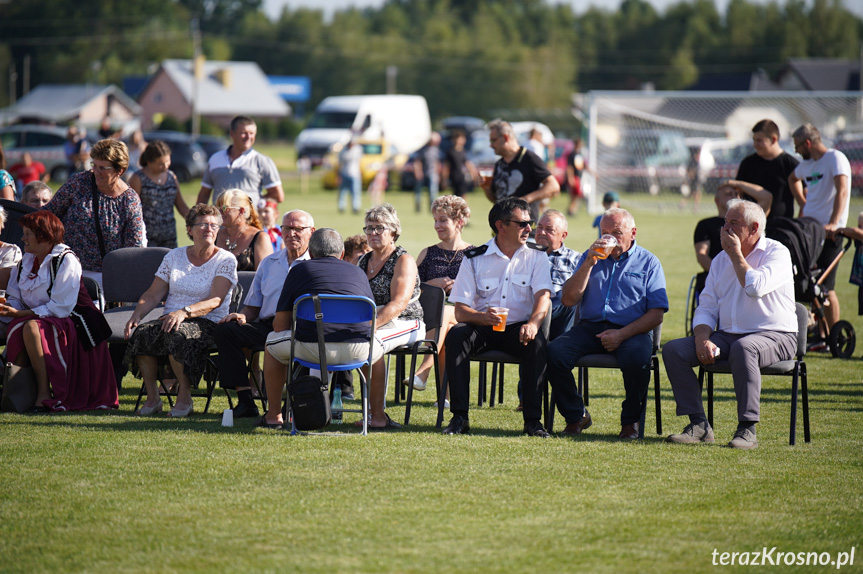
x: 251, y: 172
x: 269, y: 280
x: 494, y: 280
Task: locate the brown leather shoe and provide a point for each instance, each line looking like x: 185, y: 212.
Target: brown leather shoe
x: 629, y: 432
x: 573, y: 429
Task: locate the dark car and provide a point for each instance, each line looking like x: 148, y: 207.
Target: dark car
x: 212, y: 144
x: 188, y: 158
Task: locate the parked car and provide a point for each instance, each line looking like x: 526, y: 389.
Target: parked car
x: 44, y: 143
x: 376, y: 155
x: 646, y: 160
x: 212, y: 144
x: 188, y: 158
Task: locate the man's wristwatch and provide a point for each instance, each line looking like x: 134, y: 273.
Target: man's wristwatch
x: 188, y: 311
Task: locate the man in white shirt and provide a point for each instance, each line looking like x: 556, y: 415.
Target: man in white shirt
x: 827, y: 173
x: 505, y: 272
x: 746, y: 314
x: 241, y: 167
x: 249, y: 328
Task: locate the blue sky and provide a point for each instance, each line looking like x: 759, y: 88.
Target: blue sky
x: 274, y: 7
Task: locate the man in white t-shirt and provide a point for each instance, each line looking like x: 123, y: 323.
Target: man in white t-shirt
x: 827, y: 174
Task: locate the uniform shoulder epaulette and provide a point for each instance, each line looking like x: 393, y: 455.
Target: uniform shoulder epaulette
x: 536, y: 246
x: 474, y: 251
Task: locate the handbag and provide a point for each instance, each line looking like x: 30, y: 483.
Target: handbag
x: 19, y: 389
x: 90, y: 323
x: 309, y: 396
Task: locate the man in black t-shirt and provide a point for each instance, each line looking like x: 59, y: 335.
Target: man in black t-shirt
x: 457, y: 169
x: 768, y: 170
x: 519, y: 172
x: 324, y: 273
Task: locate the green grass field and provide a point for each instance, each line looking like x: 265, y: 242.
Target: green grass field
x: 113, y: 492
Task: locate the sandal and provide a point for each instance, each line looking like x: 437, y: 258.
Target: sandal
x: 390, y: 425
x: 262, y: 423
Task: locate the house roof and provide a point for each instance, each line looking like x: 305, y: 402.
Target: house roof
x: 227, y: 88
x: 63, y: 102
x: 825, y: 74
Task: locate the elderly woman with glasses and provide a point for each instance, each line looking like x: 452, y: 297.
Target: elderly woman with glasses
x: 242, y: 232
x: 99, y: 210
x: 196, y: 283
x: 395, y: 283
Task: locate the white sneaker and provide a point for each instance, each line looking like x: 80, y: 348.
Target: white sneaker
x: 445, y: 404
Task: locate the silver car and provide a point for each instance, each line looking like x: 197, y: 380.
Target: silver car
x: 45, y: 144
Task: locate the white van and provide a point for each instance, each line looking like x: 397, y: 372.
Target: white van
x: 402, y: 120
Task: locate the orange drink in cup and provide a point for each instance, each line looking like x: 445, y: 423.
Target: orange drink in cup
x: 606, y: 245
x: 503, y: 313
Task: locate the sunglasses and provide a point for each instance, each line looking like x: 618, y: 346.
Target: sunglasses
x: 522, y: 224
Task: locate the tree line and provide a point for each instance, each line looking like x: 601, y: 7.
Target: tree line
x: 467, y: 57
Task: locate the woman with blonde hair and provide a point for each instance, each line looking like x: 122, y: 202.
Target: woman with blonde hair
x: 242, y: 232
x: 438, y: 265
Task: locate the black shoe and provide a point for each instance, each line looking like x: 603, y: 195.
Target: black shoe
x: 246, y: 411
x: 535, y: 429
x: 457, y: 425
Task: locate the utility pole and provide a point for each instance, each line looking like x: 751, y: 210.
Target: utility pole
x: 13, y: 79
x: 25, y: 88
x: 392, y: 75
x: 197, y: 72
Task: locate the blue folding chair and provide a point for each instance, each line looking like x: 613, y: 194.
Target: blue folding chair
x: 346, y: 309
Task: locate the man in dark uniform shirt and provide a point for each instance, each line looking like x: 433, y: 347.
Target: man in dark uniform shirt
x: 519, y: 172
x: 768, y: 170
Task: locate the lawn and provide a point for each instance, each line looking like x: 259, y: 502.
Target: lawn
x: 114, y: 492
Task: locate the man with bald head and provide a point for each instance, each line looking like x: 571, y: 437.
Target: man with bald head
x: 248, y: 328
x: 621, y: 298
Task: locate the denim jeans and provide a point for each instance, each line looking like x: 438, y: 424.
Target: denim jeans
x: 352, y: 185
x: 433, y: 185
x: 633, y: 355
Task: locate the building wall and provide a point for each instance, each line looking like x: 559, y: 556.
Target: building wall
x: 161, y: 96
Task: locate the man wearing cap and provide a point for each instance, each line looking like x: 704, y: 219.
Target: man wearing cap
x: 507, y: 271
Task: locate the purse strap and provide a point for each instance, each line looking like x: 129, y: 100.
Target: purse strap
x: 96, y: 216
x: 322, y: 349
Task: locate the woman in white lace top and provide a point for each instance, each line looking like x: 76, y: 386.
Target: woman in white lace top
x: 196, y: 284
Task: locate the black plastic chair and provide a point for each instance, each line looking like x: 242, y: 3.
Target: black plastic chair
x: 794, y: 368
x: 609, y: 361
x: 12, y: 232
x: 432, y: 299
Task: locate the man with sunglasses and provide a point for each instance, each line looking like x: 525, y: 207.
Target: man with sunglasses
x: 621, y: 298
x: 248, y: 329
x: 519, y: 172
x: 507, y: 271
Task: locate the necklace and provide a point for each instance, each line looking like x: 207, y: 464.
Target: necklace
x: 454, y: 255
x: 228, y: 245
x: 373, y: 268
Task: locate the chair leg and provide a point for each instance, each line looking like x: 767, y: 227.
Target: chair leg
x: 548, y: 407
x: 710, y: 400
x: 793, y: 426
x: 500, y: 386
x: 804, y: 385
x: 483, y: 371
x: 410, y: 397
x: 586, y: 394
x: 657, y: 399
x: 494, y: 368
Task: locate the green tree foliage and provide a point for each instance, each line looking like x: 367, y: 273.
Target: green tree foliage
x: 464, y: 56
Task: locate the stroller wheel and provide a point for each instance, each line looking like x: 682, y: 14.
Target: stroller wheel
x: 842, y: 340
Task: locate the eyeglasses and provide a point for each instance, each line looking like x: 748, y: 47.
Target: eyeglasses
x: 372, y: 229
x: 207, y: 225
x: 102, y: 169
x: 290, y: 229
x: 225, y: 208
x: 522, y: 224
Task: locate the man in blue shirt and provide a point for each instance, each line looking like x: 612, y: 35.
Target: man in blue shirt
x: 622, y: 298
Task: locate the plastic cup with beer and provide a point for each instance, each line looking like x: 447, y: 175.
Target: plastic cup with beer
x: 485, y: 176
x: 2, y: 296
x: 605, y: 245
x: 503, y: 313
